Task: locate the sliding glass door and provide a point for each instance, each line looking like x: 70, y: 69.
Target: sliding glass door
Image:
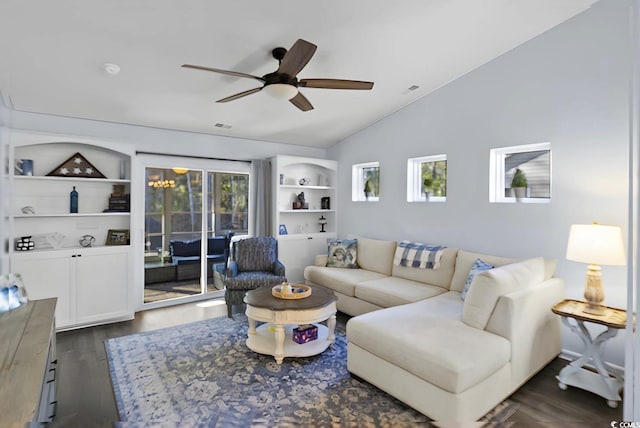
x: 228, y: 203
x: 187, y: 235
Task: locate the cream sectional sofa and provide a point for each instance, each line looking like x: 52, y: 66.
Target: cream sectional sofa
x: 414, y: 337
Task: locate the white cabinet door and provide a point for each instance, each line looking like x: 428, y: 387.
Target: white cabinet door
x: 49, y: 275
x: 101, y: 286
x: 299, y: 251
x: 318, y: 245
x: 92, y: 285
x: 292, y: 252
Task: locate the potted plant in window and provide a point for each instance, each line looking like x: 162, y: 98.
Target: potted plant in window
x: 367, y: 189
x: 428, y: 183
x: 519, y: 184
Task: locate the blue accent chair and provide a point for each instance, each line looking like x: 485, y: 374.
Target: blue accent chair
x: 253, y: 263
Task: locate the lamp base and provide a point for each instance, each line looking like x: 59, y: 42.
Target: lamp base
x: 593, y: 291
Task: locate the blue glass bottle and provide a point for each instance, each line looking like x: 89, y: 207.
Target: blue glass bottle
x: 73, y: 201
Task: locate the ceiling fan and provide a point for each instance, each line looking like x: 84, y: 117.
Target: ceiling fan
x: 283, y: 82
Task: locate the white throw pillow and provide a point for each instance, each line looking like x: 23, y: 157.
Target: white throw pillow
x: 489, y: 285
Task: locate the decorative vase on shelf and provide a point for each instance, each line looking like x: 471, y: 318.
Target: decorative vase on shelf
x: 73, y: 201
x: 123, y: 169
x: 54, y: 239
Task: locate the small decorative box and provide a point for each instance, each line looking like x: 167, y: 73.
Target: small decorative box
x: 24, y: 244
x: 305, y: 333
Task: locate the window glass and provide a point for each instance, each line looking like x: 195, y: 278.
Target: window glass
x: 228, y: 203
x: 521, y: 173
x: 366, y: 182
x: 427, y: 179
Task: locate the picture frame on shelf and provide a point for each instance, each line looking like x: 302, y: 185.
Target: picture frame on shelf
x: 282, y: 230
x: 117, y: 237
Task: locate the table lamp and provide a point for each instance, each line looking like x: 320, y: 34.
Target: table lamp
x: 595, y: 244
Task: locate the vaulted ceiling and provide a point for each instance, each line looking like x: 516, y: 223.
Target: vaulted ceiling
x: 52, y: 56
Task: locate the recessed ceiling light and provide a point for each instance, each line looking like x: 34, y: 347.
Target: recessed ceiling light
x: 110, y: 68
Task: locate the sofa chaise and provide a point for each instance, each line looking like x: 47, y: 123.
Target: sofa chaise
x: 413, y: 336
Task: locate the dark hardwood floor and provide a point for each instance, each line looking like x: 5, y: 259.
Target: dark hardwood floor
x: 85, y: 396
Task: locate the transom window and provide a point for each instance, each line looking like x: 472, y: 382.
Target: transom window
x: 427, y: 179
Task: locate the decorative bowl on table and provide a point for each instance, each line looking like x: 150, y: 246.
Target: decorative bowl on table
x: 291, y: 291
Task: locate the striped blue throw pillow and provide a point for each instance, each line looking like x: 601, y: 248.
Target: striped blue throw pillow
x: 417, y: 255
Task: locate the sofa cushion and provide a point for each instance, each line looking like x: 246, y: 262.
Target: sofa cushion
x: 216, y: 245
x: 342, y: 253
x: 429, y: 340
x: 478, y: 266
x: 376, y: 255
x: 391, y: 291
x: 440, y: 277
x: 341, y: 280
x: 185, y: 260
x: 185, y: 248
x: 464, y: 263
x: 489, y: 285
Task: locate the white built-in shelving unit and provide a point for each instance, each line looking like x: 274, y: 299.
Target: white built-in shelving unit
x: 303, y: 241
x: 92, y: 284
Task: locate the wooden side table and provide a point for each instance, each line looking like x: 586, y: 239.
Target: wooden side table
x: 608, y: 380
x: 283, y: 315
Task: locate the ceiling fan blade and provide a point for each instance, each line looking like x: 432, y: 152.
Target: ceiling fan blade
x: 301, y: 102
x: 297, y: 57
x: 240, y: 95
x: 230, y: 73
x: 335, y: 84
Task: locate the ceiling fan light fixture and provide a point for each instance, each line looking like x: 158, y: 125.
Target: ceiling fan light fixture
x: 283, y: 91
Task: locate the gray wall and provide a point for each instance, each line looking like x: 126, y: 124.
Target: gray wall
x: 4, y: 114
x: 569, y: 87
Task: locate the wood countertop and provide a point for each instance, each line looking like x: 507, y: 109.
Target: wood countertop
x: 24, y: 334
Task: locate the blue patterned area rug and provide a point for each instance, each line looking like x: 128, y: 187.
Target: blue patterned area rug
x: 202, y: 374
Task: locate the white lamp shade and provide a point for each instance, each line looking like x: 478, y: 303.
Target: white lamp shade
x: 281, y: 90
x: 596, y: 244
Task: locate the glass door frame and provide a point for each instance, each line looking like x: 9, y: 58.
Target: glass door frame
x: 140, y: 164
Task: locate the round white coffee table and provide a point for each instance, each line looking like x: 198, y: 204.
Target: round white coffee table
x: 282, y: 316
